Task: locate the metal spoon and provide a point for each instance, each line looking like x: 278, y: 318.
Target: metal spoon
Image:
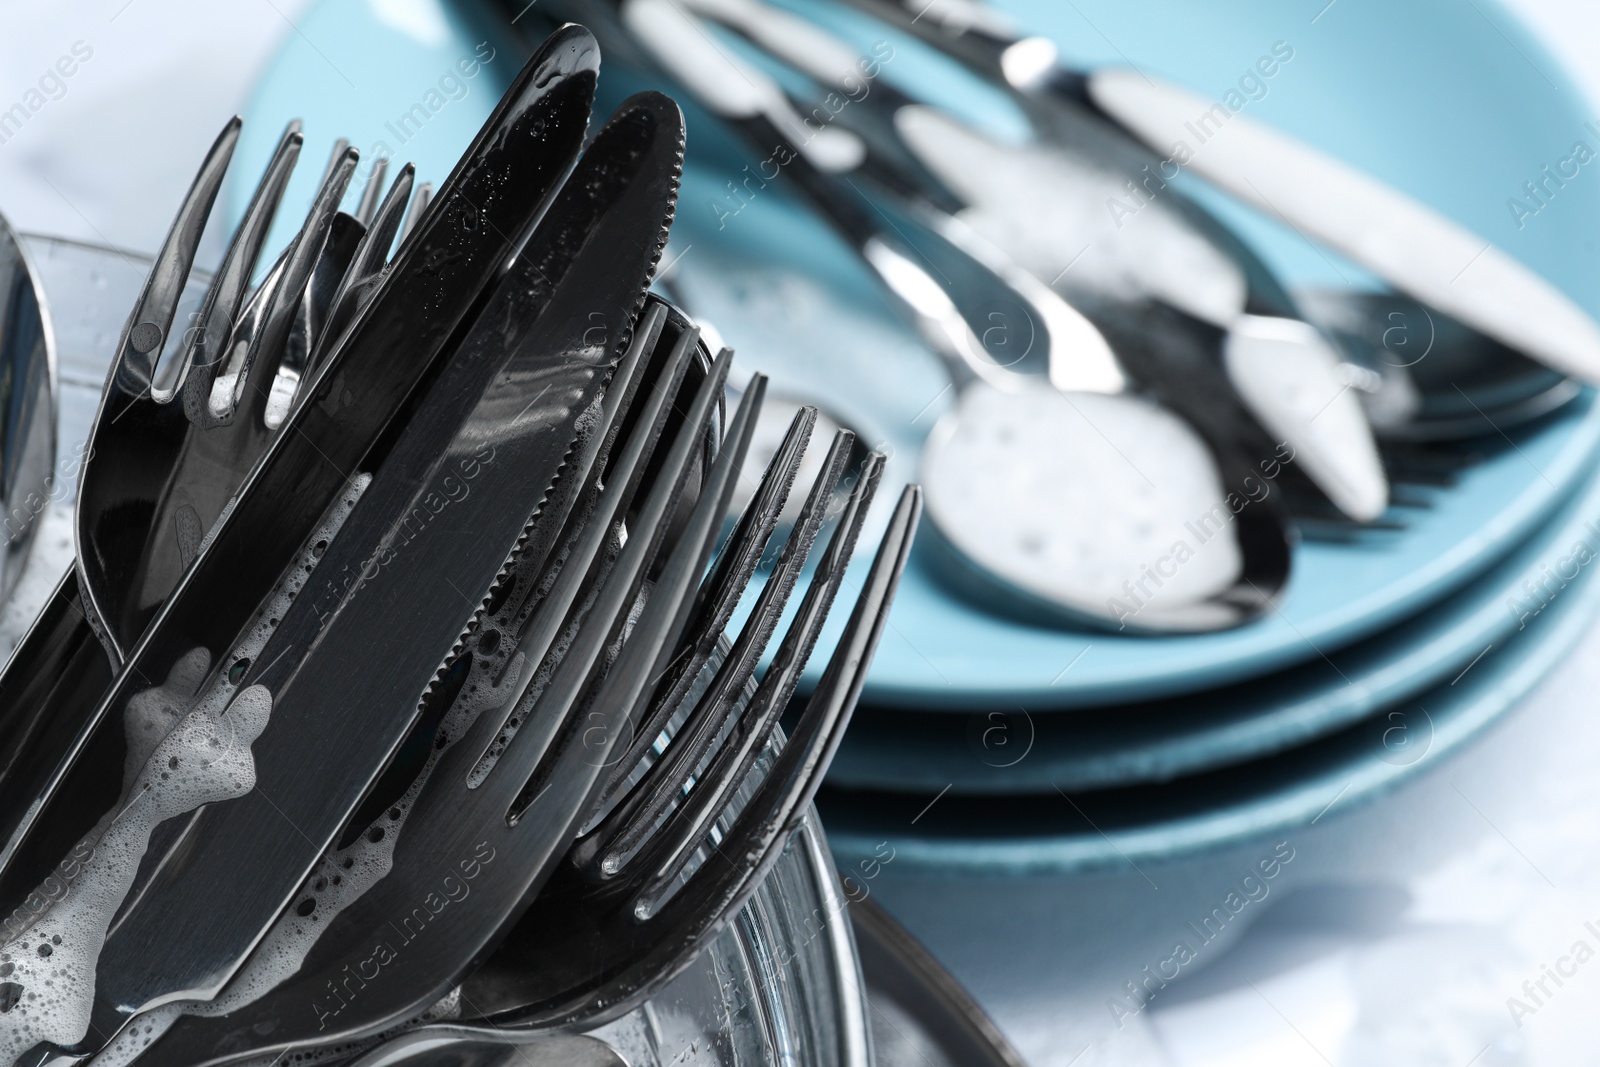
x: 1009, y: 468
x: 976, y: 283
x: 27, y: 407
x: 1411, y: 246
x: 1045, y: 206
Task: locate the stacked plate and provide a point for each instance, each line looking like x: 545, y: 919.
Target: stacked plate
x: 986, y: 742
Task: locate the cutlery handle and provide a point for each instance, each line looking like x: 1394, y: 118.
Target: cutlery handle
x: 818, y: 159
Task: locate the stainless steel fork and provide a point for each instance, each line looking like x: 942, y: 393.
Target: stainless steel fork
x: 169, y: 449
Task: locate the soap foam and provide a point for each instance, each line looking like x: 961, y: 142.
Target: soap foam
x: 1072, y: 496
x: 187, y: 747
x: 1050, y: 210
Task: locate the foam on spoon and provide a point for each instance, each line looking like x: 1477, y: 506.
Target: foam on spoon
x: 1072, y: 497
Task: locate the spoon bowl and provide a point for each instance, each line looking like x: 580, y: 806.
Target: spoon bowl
x: 1106, y: 511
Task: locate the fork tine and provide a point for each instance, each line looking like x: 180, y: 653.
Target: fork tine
x: 675, y: 843
x: 636, y: 818
x: 253, y: 387
x: 795, y: 775
x: 207, y: 347
x: 658, y: 625
x: 133, y: 370
x: 371, y: 256
x: 720, y: 592
x: 340, y: 147
x: 374, y: 188
x: 587, y: 542
x: 419, y: 204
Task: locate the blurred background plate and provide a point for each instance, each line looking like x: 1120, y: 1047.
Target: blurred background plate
x: 798, y: 305
x: 1051, y: 831
x: 1020, y: 751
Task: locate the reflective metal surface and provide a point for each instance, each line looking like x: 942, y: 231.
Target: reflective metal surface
x: 477, y: 214
x: 27, y: 408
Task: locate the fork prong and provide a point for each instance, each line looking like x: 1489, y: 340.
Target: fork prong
x: 207, y: 346
x: 340, y: 147
x: 617, y: 693
x: 374, y: 189
x: 133, y: 370
x: 586, y: 543
x: 720, y: 592
x: 419, y: 204
x: 756, y: 837
x: 675, y: 842
x: 366, y: 267
x: 795, y: 775
x: 261, y: 360
x: 627, y: 826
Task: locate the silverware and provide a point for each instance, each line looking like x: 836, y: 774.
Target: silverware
x: 1005, y: 472
x: 491, y: 197
x: 337, y: 294
x: 1408, y: 244
x: 549, y: 761
x: 168, y: 451
x: 643, y: 897
x: 949, y: 302
x: 27, y: 407
x: 189, y: 461
x: 515, y: 823
x: 1100, y: 510
x: 1044, y: 206
x: 354, y: 658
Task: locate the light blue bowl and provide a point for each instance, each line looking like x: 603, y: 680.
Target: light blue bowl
x: 1048, y: 833
x: 999, y: 753
x: 1452, y: 103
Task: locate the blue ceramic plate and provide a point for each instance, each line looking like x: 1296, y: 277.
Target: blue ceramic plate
x: 798, y: 305
x: 999, y: 752
x: 1054, y: 832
